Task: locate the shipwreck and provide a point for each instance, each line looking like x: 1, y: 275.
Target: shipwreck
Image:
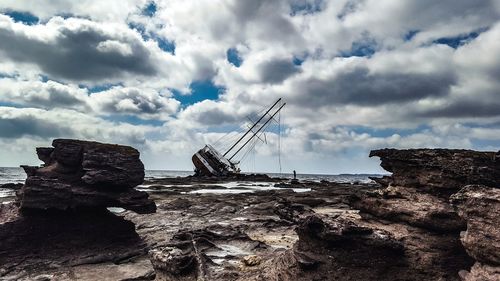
x: 208, y: 161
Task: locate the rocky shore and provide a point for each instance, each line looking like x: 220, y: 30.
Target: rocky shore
x: 435, y: 218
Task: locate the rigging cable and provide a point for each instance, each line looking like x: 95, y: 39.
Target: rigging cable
x: 279, y: 140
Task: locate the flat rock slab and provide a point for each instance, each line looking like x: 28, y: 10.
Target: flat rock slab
x: 439, y: 171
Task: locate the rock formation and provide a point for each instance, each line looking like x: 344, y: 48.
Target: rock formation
x: 479, y: 205
x: 85, y: 175
x: 440, y: 172
x: 60, y: 222
x: 408, y: 229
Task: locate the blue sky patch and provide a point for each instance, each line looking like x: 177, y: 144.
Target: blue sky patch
x: 410, y: 34
x: 306, y: 7
x: 150, y: 9
x: 363, y: 48
x: 100, y: 88
x: 24, y: 17
x: 139, y: 28
x: 298, y: 61
x: 166, y: 45
x: 459, y: 40
x: 200, y: 90
x: 11, y: 104
x: 479, y: 144
x: 233, y: 57
x: 5, y: 75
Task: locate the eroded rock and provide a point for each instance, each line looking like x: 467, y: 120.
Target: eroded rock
x: 480, y: 207
x: 408, y: 205
x: 346, y: 248
x: 51, y: 240
x: 82, y: 175
x: 481, y: 272
x: 439, y: 171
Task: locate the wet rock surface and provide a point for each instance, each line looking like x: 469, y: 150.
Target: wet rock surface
x: 85, y: 175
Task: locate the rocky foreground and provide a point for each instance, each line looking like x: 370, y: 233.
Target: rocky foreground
x: 435, y: 218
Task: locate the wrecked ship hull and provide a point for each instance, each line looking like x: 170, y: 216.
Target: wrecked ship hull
x: 209, y: 162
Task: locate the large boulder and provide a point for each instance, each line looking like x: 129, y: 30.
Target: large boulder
x: 84, y: 175
x: 480, y: 206
x: 439, y: 171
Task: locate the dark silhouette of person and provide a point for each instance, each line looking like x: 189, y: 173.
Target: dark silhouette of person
x: 294, y: 175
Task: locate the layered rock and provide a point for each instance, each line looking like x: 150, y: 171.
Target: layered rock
x: 479, y: 205
x: 344, y: 248
x: 407, y: 205
x: 83, y: 175
x: 59, y: 242
x: 418, y: 191
x: 408, y: 230
x: 439, y: 171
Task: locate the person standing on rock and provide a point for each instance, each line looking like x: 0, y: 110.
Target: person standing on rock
x: 294, y: 175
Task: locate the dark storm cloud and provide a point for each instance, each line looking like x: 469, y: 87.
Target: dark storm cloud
x: 276, y: 71
x: 359, y: 87
x: 74, y: 53
x: 30, y: 126
x: 464, y: 109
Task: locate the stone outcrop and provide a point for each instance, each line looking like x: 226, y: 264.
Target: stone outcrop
x: 62, y: 241
x: 407, y: 205
x: 479, y: 205
x: 83, y: 175
x: 439, y: 171
x: 347, y: 248
x: 418, y: 194
x: 408, y: 229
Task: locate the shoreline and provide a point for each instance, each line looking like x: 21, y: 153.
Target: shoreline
x: 107, y: 223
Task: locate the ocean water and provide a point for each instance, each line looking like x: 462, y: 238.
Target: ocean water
x: 17, y: 175
x: 12, y: 175
x: 342, y: 178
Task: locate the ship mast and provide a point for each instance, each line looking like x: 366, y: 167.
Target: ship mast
x: 249, y: 130
x: 260, y: 128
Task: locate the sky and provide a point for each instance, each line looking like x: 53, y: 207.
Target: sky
x: 167, y: 77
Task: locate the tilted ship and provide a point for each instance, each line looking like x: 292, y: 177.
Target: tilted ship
x: 210, y: 162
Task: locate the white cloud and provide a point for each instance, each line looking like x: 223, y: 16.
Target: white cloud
x: 410, y: 92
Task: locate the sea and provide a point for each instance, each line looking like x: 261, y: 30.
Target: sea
x: 17, y: 175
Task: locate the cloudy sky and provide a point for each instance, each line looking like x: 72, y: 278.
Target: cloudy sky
x: 168, y: 76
